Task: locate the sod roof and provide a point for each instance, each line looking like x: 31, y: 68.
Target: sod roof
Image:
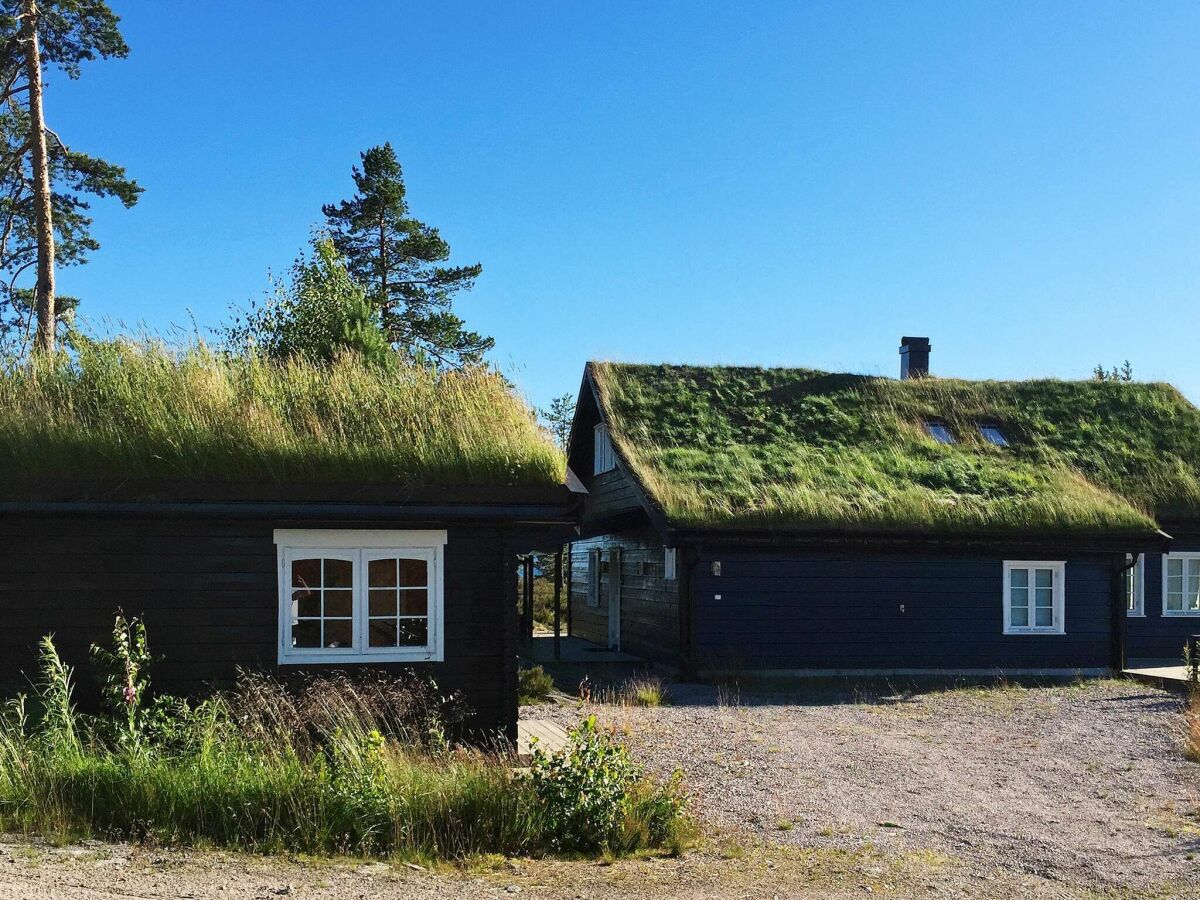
x: 124, y: 410
x: 729, y: 447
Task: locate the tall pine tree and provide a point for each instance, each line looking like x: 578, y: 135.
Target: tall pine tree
x: 397, y: 258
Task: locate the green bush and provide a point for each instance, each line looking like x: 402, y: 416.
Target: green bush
x: 533, y: 685
x: 594, y: 796
x: 330, y: 765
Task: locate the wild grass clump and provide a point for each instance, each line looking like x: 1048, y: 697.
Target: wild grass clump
x: 745, y: 447
x: 331, y: 766
x: 141, y: 409
x: 534, y: 685
x: 640, y: 690
x: 1191, y: 727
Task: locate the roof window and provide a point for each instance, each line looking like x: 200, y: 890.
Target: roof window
x: 993, y: 435
x: 940, y: 432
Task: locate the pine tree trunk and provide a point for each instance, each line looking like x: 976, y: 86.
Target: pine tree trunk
x: 43, y: 217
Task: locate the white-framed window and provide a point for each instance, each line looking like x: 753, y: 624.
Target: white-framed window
x: 670, y: 560
x: 360, y: 595
x: 1181, y: 584
x: 1033, y: 597
x: 593, y: 591
x: 602, y: 450
x: 1135, y: 585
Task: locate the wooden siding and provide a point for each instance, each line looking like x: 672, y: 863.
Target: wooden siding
x: 649, y: 603
x: 842, y: 610
x: 1155, y: 636
x: 609, y: 494
x: 207, y: 591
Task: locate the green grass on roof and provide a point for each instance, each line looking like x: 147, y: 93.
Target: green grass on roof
x: 746, y: 447
x: 125, y: 409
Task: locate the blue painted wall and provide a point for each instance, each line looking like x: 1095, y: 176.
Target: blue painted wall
x: 1155, y: 636
x: 842, y: 610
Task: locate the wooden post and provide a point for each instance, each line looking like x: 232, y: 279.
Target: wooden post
x: 558, y: 602
x: 569, y: 577
x: 527, y: 596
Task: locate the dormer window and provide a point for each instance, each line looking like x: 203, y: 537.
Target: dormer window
x: 939, y: 431
x: 993, y: 435
x: 602, y: 454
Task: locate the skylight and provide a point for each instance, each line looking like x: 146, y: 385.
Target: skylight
x: 992, y: 434
x: 940, y: 432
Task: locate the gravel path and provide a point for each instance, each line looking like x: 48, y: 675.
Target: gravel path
x: 1083, y: 784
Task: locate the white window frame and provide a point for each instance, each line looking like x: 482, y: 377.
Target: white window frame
x: 1138, y: 574
x: 1058, y: 597
x: 360, y: 545
x: 1177, y: 613
x: 670, y: 563
x: 603, y: 457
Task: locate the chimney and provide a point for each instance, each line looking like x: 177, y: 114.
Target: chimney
x: 914, y: 357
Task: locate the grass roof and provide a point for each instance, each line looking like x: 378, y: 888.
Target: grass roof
x: 138, y: 410
x: 750, y: 447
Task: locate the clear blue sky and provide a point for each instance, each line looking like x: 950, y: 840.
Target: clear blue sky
x: 791, y: 184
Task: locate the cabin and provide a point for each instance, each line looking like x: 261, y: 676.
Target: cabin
x: 807, y: 522
x: 256, y: 521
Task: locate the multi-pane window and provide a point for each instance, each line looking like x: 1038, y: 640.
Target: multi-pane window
x: 993, y: 435
x: 1033, y: 597
x: 1181, y: 584
x: 1135, y: 580
x: 939, y: 431
x: 379, y: 600
x: 603, y: 456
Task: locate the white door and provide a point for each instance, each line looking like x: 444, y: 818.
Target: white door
x: 614, y: 599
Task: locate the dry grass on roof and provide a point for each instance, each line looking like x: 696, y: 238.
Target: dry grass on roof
x: 749, y: 447
x: 139, y: 409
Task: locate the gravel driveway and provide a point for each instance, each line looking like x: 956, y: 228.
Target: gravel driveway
x: 1083, y: 784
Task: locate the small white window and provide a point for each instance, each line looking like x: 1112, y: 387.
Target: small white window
x: 993, y: 435
x: 1033, y: 597
x: 1135, y: 585
x: 593, y: 592
x: 669, y: 558
x: 360, y: 596
x: 940, y: 432
x: 603, y: 450
x: 1181, y: 584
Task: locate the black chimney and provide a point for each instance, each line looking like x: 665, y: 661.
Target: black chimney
x: 914, y: 357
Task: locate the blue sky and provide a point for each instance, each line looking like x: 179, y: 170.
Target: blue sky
x: 781, y: 184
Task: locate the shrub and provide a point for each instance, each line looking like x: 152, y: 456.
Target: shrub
x: 327, y: 765
x: 534, y: 685
x: 594, y: 796
x: 1191, y: 735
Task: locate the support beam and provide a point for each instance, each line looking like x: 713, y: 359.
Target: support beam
x: 558, y: 564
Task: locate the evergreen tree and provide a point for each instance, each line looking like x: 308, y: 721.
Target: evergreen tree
x: 397, y: 258
x: 558, y: 419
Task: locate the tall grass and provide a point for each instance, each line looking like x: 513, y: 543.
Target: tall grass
x: 742, y: 447
x: 334, y: 767
x: 142, y: 409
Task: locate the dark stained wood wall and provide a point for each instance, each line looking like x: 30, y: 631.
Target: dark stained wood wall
x: 649, y: 602
x: 207, y: 591
x: 1155, y: 636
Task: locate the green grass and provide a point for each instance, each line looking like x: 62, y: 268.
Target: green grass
x: 534, y: 685
x: 132, y: 409
x: 336, y: 767
x: 745, y: 447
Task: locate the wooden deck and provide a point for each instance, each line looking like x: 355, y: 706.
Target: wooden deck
x: 550, y: 737
x: 1161, y: 673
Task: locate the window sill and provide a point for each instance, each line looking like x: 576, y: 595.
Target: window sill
x: 1026, y: 631
x: 1181, y: 614
x: 1135, y: 615
x: 317, y: 657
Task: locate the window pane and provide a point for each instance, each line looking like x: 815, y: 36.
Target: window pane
x: 306, y: 573
x: 1043, y: 617
x: 381, y: 573
x: 383, y: 632
x: 339, y: 573
x: 1044, y: 597
x: 306, y: 633
x: 1020, y: 616
x: 414, y: 632
x: 1019, y: 597
x: 1174, y: 567
x: 1174, y: 601
x: 414, y: 603
x: 306, y: 603
x: 413, y: 573
x: 339, y: 633
x: 339, y: 603
x: 1019, y: 577
x: 383, y: 603
x: 1043, y: 577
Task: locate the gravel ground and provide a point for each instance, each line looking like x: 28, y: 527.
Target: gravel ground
x: 1083, y: 784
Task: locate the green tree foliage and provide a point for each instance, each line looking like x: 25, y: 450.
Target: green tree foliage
x: 70, y: 33
x: 1124, y: 372
x: 397, y: 258
x: 558, y: 418
x: 320, y: 313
